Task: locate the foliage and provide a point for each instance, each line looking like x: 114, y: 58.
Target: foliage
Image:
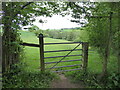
x: 70, y: 35
x: 17, y: 78
x: 12, y: 51
x: 103, y: 38
x: 98, y: 35
x: 33, y: 28
x: 15, y: 15
x: 92, y: 80
x: 114, y: 80
x: 24, y: 12
x: 101, y: 29
x: 79, y: 10
x: 37, y: 31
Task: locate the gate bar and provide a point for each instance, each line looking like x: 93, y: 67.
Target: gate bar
x: 66, y: 66
x: 64, y: 61
x: 63, y: 56
x: 62, y: 43
x: 61, y: 50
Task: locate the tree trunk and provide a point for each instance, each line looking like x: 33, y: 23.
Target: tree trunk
x: 107, y: 49
x: 119, y: 59
x: 105, y: 61
x: 6, y: 48
x: 118, y: 41
x: 118, y: 51
x: 6, y: 39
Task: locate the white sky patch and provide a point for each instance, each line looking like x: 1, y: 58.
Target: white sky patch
x: 91, y: 0
x: 55, y: 22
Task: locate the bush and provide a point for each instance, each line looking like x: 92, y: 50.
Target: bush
x: 17, y: 78
x: 71, y: 36
x: 92, y: 80
x: 64, y: 35
x: 37, y: 32
x: 114, y: 80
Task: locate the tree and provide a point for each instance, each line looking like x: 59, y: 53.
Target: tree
x: 71, y: 35
x: 101, y: 29
x: 99, y: 38
x: 14, y: 15
x: 33, y: 28
x: 116, y: 38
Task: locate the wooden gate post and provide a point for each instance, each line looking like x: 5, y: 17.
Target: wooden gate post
x: 85, y: 46
x: 41, y: 43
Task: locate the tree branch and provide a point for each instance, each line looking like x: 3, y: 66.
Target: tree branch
x: 22, y: 8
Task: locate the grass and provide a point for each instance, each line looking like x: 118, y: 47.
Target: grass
x: 32, y: 54
x: 33, y: 61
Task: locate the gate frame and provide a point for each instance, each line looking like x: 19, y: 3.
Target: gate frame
x: 41, y: 45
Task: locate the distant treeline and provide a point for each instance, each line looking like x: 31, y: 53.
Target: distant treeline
x: 70, y: 34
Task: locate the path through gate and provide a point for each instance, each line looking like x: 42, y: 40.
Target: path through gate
x: 81, y: 62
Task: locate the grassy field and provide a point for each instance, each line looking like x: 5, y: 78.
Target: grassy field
x: 33, y: 61
x: 32, y: 54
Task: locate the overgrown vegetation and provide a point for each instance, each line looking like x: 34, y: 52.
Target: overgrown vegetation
x: 102, y: 38
x: 18, y: 78
x: 92, y: 80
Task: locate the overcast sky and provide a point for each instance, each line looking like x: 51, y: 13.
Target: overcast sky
x: 55, y: 22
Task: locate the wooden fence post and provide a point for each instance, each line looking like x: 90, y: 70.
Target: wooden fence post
x: 85, y: 46
x: 41, y: 43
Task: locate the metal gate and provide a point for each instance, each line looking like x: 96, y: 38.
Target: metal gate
x: 54, y: 64
x: 81, y: 63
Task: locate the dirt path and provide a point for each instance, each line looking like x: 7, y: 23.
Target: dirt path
x: 64, y: 82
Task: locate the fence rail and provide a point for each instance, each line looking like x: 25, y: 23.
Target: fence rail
x: 30, y: 44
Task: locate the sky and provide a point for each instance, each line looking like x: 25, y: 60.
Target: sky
x: 55, y: 22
